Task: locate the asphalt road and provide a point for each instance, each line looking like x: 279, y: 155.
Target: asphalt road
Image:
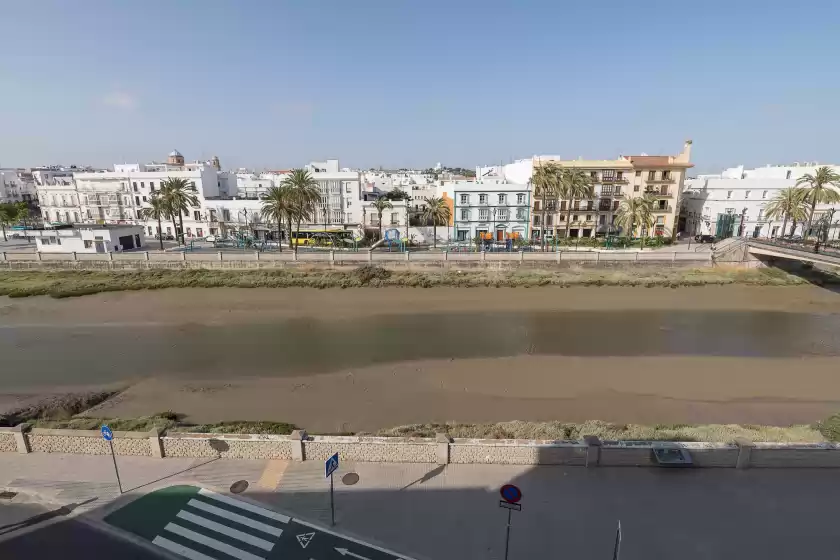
x: 72, y: 540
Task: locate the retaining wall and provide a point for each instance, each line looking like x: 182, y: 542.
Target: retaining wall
x: 301, y: 447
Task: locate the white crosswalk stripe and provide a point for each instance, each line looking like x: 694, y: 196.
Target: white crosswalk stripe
x: 225, y: 530
x: 216, y: 522
x: 210, y: 542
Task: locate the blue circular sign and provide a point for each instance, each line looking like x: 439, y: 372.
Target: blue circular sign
x: 511, y: 493
x: 107, y: 433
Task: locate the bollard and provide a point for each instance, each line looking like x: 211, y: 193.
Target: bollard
x: 220, y: 256
x: 597, y: 257
x: 39, y: 255
x: 332, y: 257
x: 184, y: 256
x: 593, y: 450
x: 483, y: 255
x: 521, y: 256
x: 445, y: 254
x: 442, y: 442
x: 675, y: 257
x: 559, y: 256
x: 406, y: 255
x: 296, y: 440
x: 110, y: 256
x: 256, y: 255
x: 4, y: 256
x: 745, y: 448
x: 294, y: 255
x: 370, y: 255
x: 147, y: 255
x: 75, y: 258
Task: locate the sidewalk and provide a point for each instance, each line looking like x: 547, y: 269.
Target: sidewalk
x: 452, y: 512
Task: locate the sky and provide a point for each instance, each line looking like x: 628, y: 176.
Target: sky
x: 405, y: 83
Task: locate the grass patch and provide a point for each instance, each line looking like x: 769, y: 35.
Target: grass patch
x: 55, y: 408
x: 722, y: 433
x: 73, y: 283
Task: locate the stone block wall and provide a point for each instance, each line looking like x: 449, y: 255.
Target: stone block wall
x: 7, y: 442
x: 765, y: 455
x: 87, y: 442
x: 371, y: 449
x: 516, y: 452
x: 620, y: 456
x: 228, y: 446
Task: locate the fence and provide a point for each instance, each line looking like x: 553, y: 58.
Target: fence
x: 257, y: 259
x: 442, y: 449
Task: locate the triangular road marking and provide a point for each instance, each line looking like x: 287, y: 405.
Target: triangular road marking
x: 305, y: 539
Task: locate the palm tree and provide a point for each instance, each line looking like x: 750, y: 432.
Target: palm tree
x: 381, y: 204
x: 438, y: 212
x: 790, y: 204
x: 636, y: 211
x: 9, y: 214
x: 304, y: 195
x: 277, y: 205
x: 546, y: 181
x: 179, y: 195
x: 818, y: 189
x: 158, y: 210
x: 575, y: 184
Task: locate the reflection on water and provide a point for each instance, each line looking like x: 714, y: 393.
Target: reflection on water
x: 35, y: 355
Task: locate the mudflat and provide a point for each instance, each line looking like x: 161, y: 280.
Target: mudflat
x: 368, y: 358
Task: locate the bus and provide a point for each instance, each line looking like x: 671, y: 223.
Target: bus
x: 323, y: 237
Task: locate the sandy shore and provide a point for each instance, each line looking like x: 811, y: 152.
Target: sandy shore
x: 638, y: 389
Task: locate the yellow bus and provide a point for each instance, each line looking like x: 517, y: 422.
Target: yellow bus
x: 321, y: 236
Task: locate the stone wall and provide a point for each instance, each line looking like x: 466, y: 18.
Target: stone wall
x: 88, y: 442
x: 229, y: 446
x: 780, y: 456
x: 371, y: 449
x: 516, y: 452
x: 7, y: 442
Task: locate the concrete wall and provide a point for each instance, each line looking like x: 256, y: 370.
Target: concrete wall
x: 442, y: 450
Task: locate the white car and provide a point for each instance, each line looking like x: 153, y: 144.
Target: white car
x: 210, y: 238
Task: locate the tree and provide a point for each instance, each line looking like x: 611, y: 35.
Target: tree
x: 381, y: 204
x: 575, y: 184
x: 788, y: 204
x: 9, y: 214
x: 818, y: 189
x: 304, y: 196
x: 396, y: 194
x: 179, y: 195
x: 438, y: 212
x: 277, y: 205
x: 158, y: 210
x: 636, y: 211
x: 546, y: 181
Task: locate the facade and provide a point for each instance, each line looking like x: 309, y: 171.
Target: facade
x: 490, y: 206
x: 392, y: 218
x: 744, y: 193
x: 661, y: 177
x: 89, y: 239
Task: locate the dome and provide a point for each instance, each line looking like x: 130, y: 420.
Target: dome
x: 175, y: 153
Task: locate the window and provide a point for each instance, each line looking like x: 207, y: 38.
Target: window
x: 197, y: 215
x: 482, y: 199
x: 638, y: 173
x: 787, y: 175
x: 666, y: 175
x: 747, y: 194
x: 145, y: 199
x: 464, y: 199
x: 636, y: 187
x: 763, y: 194
x: 730, y: 210
x: 137, y: 200
x: 134, y: 184
x: 589, y: 217
x: 536, y: 206
x: 199, y: 232
x: 189, y: 232
x: 728, y: 195
x: 58, y: 241
x: 760, y: 214
x: 651, y: 175
x: 561, y: 218
x: 168, y: 230
x: 502, y: 198
x: 589, y: 205
x: 536, y: 220
x: 75, y: 216
x: 660, y: 219
x: 521, y: 214
x: 142, y: 185
x: 483, y: 214
x: 502, y: 215
x: 562, y: 205
x: 548, y: 220
x: 593, y: 174
x: 619, y: 175
x: 395, y: 217
x: 520, y: 198
x: 465, y: 214
x: 152, y: 186
x: 575, y: 218
x: 89, y: 243
x: 150, y: 230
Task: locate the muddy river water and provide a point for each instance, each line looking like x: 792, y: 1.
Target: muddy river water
x: 381, y: 357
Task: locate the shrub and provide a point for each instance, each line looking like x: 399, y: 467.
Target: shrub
x: 368, y: 273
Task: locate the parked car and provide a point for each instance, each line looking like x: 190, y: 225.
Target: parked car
x: 210, y: 238
x: 704, y: 238
x: 165, y: 236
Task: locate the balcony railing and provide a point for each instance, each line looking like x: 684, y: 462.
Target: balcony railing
x: 661, y: 180
x: 612, y: 180
x: 659, y: 193
x: 662, y: 209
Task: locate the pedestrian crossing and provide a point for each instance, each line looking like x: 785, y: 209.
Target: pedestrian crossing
x: 212, y: 526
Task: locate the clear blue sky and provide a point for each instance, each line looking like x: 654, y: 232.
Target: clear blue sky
x: 410, y: 83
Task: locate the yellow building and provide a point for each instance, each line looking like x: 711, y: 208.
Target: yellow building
x: 614, y: 181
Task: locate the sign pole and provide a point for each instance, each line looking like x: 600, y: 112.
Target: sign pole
x: 116, y: 470
x: 617, y: 547
x: 507, y: 536
x: 332, y: 501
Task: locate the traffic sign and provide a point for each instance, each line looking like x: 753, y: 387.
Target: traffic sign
x: 107, y: 433
x: 331, y: 465
x: 510, y: 493
x: 508, y: 505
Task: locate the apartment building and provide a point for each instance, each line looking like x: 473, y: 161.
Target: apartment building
x: 661, y: 177
x: 491, y: 206
x: 745, y: 193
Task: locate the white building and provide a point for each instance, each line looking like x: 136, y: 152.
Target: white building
x: 490, y: 206
x: 89, y: 239
x: 745, y: 194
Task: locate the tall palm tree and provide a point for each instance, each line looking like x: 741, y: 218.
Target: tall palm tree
x: 158, y: 210
x: 438, y: 212
x: 788, y: 204
x: 636, y: 211
x: 304, y: 194
x: 818, y: 189
x: 179, y: 195
x: 575, y: 184
x: 381, y: 204
x: 277, y: 205
x: 546, y: 181
x: 9, y: 214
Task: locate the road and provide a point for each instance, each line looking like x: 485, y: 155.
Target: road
x: 200, y: 524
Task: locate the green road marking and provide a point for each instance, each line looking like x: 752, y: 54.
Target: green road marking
x: 148, y: 515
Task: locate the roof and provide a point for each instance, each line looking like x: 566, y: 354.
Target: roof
x: 650, y: 160
x: 175, y: 153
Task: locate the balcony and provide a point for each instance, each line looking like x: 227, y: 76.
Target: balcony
x: 669, y: 180
x: 613, y: 180
x: 663, y: 209
x: 659, y: 193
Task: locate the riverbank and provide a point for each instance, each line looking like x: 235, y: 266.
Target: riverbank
x: 72, y: 283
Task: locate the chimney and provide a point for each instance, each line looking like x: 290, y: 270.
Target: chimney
x: 685, y: 155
